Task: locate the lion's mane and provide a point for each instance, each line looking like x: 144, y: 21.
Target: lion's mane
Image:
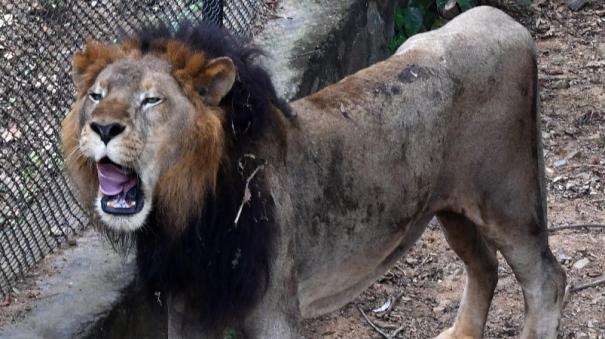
x: 218, y: 267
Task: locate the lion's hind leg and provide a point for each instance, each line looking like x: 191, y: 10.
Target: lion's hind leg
x: 482, y: 275
x: 524, y: 245
x: 512, y: 217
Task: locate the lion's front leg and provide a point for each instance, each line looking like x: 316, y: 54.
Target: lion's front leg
x: 277, y: 315
x: 183, y: 325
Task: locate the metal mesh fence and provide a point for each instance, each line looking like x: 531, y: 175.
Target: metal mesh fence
x: 38, y: 210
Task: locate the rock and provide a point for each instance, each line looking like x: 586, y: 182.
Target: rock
x: 601, y: 50
x: 584, y: 176
x: 570, y: 155
x: 542, y: 26
x: 438, y: 309
x: 595, y: 160
x: 442, y: 307
x: 562, y: 258
x: 560, y: 163
x: 376, y: 30
x: 575, y: 5
x: 561, y: 84
x: 582, y: 335
x: 450, y: 10
x: 580, y: 264
x: 597, y: 300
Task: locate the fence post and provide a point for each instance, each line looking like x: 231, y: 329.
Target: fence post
x: 212, y: 11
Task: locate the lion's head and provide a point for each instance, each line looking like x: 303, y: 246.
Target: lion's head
x: 150, y: 120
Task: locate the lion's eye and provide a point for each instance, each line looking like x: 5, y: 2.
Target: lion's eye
x: 150, y: 101
x: 95, y: 96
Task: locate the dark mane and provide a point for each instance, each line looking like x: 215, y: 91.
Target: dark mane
x: 248, y: 104
x: 219, y: 268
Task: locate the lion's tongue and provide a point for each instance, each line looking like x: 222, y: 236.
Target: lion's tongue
x: 114, y: 180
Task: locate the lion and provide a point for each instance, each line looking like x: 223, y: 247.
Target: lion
x: 251, y: 214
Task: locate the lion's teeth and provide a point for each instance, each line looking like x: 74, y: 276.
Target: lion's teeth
x: 120, y: 202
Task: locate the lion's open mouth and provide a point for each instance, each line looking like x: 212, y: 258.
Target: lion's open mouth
x: 120, y: 187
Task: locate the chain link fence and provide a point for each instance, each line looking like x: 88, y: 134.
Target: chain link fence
x: 38, y: 210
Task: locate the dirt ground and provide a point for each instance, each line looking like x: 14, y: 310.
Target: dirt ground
x: 425, y: 287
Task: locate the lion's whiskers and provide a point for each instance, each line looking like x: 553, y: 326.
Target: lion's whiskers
x: 76, y: 152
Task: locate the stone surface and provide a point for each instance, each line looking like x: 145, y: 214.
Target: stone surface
x: 580, y: 264
x: 87, y: 281
x: 314, y: 43
x: 575, y: 5
x: 139, y: 314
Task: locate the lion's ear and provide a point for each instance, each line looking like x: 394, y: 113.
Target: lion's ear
x: 89, y: 62
x: 216, y: 80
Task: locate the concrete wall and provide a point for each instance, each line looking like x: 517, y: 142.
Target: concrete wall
x: 93, y: 292
x: 72, y: 289
x: 314, y: 43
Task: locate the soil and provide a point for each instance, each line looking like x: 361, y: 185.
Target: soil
x: 426, y: 285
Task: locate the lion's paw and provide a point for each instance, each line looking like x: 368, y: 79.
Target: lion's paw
x: 449, y: 334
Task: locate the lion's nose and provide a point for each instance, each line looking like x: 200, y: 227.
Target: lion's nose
x: 107, y: 132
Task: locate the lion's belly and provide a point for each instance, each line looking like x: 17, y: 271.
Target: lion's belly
x: 336, y: 280
x: 361, y: 174
x: 347, y: 238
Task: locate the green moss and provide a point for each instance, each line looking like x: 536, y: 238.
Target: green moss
x: 421, y: 16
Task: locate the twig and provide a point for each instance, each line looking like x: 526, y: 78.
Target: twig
x: 596, y: 282
x: 568, y: 168
x: 394, y: 301
x: 46, y: 296
x: 568, y: 227
x: 313, y: 51
x: 372, y: 324
x: 246, y: 197
x: 396, y: 332
x: 566, y: 295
